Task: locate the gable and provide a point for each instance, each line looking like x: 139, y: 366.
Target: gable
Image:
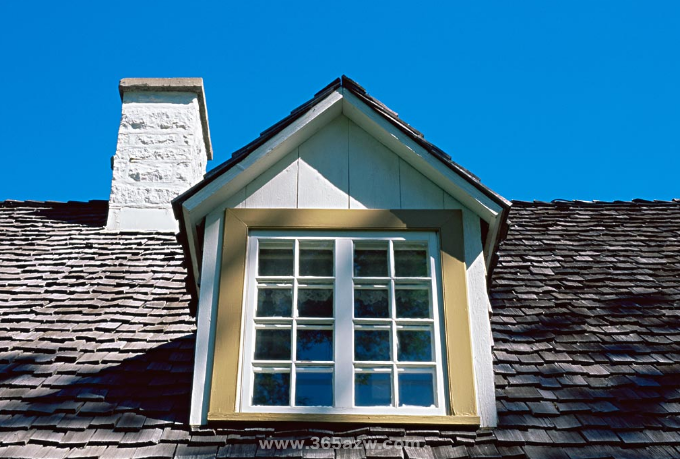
x: 342, y: 167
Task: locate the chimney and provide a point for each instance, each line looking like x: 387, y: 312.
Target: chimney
x: 163, y: 147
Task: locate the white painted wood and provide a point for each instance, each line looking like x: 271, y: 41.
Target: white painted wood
x: 324, y: 174
x: 480, y: 324
x: 451, y: 202
x: 207, y: 313
x: 417, y: 191
x: 235, y: 201
x: 276, y: 187
x: 414, y: 154
x: 374, y: 172
x: 343, y: 323
x: 264, y: 157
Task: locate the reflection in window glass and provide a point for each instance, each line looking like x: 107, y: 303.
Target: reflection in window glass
x: 371, y: 304
x: 414, y: 345
x: 410, y: 260
x: 274, y: 302
x: 412, y: 304
x: 276, y: 258
x: 272, y: 345
x: 315, y: 302
x: 316, y: 259
x: 373, y: 389
x: 416, y: 389
x: 371, y: 345
x: 370, y: 259
x: 314, y: 345
x: 314, y: 389
x: 271, y: 389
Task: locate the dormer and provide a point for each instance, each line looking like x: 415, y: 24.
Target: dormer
x: 339, y: 264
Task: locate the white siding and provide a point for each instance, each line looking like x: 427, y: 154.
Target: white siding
x: 342, y: 167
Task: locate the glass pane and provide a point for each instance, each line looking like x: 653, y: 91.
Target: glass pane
x: 410, y: 260
x: 416, y: 389
x: 276, y: 258
x: 373, y: 389
x: 413, y: 304
x: 315, y: 302
x: 314, y: 389
x: 414, y: 345
x: 274, y: 302
x: 316, y: 259
x: 272, y: 345
x: 371, y: 303
x: 314, y: 344
x: 271, y: 389
x: 372, y: 345
x: 370, y: 259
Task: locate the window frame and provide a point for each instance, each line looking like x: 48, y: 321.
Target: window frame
x: 230, y: 321
x: 343, y: 365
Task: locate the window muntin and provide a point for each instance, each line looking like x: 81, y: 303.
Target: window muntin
x: 343, y: 323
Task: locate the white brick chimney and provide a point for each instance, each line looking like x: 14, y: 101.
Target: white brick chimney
x: 163, y: 147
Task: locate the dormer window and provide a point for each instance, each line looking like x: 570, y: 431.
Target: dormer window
x: 343, y: 322
x: 340, y: 270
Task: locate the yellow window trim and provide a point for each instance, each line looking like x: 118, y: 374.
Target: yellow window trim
x: 448, y: 224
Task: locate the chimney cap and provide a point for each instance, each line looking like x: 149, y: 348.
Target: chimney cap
x: 194, y: 85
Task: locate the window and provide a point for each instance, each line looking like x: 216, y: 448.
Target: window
x: 343, y: 322
x: 394, y: 328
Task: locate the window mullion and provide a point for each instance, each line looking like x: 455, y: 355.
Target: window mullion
x: 344, y: 341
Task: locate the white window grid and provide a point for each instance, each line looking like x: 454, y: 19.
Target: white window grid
x: 343, y: 323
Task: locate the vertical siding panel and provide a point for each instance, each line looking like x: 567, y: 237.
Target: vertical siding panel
x: 324, y: 177
x: 277, y: 186
x: 373, y: 172
x: 417, y: 191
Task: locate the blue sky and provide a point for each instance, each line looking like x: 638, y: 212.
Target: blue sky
x: 542, y: 100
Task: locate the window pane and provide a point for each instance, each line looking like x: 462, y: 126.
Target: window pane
x: 313, y: 389
x: 410, y: 260
x: 271, y: 389
x: 372, y: 345
x: 370, y: 259
x: 316, y: 259
x: 371, y: 304
x: 315, y: 302
x: 413, y: 304
x: 276, y: 258
x: 373, y: 389
x: 272, y: 345
x: 274, y: 302
x: 314, y: 344
x: 414, y: 345
x: 416, y: 389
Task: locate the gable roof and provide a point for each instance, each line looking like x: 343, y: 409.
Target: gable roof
x: 360, y: 92
x: 96, y: 347
x: 494, y: 207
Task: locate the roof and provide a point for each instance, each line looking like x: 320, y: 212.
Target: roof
x: 96, y: 342
x: 360, y: 92
x: 354, y: 88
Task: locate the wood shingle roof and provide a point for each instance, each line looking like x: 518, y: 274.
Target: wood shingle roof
x: 96, y: 342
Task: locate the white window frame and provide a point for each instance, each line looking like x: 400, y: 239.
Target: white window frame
x: 344, y: 367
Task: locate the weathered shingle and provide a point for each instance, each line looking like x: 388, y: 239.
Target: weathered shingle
x: 96, y: 342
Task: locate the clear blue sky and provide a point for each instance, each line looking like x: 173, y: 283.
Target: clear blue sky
x: 542, y: 100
